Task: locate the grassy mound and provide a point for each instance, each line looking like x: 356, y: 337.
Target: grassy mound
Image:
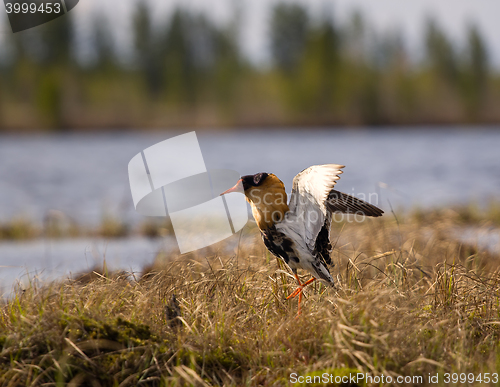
x: 411, y: 300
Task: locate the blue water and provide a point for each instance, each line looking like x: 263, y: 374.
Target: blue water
x: 86, y: 176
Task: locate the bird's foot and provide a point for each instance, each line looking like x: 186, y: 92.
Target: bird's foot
x: 300, y: 288
x: 298, y: 292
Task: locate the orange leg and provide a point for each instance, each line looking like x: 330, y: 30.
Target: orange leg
x: 298, y: 291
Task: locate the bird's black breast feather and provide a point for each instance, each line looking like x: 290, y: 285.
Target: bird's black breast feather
x: 278, y: 244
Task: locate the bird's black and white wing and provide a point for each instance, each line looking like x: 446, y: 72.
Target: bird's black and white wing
x: 313, y: 200
x: 310, y: 191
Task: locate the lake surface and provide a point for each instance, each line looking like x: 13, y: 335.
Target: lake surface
x: 86, y: 176
x: 22, y: 262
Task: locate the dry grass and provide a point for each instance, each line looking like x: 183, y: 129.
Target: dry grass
x: 411, y: 300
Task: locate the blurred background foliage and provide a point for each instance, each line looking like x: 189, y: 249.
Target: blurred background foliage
x: 190, y: 71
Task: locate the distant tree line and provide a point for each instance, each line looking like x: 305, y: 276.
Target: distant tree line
x: 189, y: 71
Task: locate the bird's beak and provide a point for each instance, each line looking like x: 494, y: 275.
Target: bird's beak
x: 237, y: 188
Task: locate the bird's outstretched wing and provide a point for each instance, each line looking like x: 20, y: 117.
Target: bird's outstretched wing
x: 310, y: 191
x: 313, y: 200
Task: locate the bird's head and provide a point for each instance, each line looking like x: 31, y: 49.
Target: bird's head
x: 261, y: 189
x: 267, y: 196
x: 249, y: 182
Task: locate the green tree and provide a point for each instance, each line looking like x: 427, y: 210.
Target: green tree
x: 56, y: 41
x: 103, y: 44
x: 478, y: 57
x: 228, y: 67
x: 354, y: 38
x: 180, y: 59
x: 55, y: 55
x: 289, y: 31
x: 319, y: 71
x: 440, y: 53
x: 476, y: 72
x: 148, y: 56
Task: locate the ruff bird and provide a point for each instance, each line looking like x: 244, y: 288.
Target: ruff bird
x: 299, y: 232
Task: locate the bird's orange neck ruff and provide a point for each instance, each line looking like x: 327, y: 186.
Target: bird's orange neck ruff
x: 268, y: 202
